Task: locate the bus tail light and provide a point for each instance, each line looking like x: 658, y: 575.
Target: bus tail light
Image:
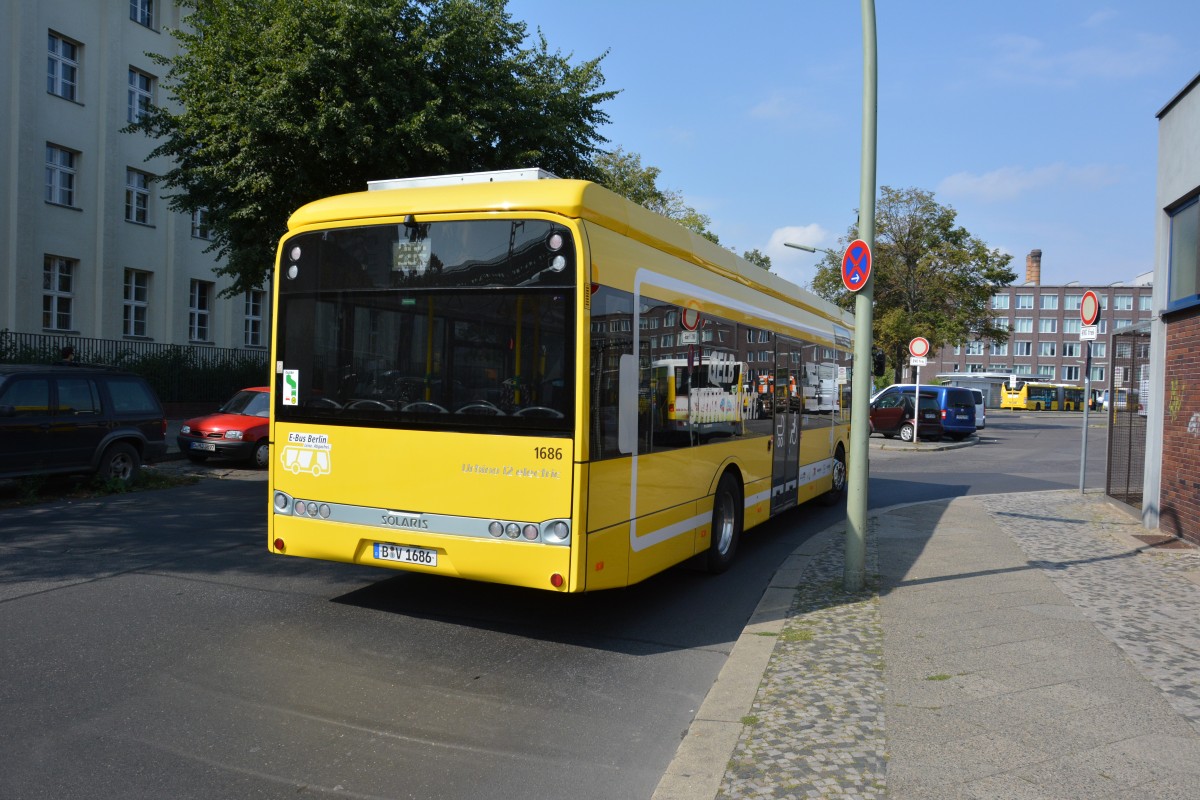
x: 279, y: 545
x: 556, y: 581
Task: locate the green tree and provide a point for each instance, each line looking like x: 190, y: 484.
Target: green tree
x: 279, y: 102
x: 624, y: 174
x: 932, y: 277
x: 758, y: 258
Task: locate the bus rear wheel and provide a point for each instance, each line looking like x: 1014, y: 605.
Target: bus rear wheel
x: 726, y: 523
x: 837, y: 493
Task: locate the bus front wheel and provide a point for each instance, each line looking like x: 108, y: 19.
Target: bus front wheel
x: 837, y: 493
x: 726, y: 523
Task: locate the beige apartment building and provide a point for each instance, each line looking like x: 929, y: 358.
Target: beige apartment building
x: 1044, y: 340
x: 90, y: 247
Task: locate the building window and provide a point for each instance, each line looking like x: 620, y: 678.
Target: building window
x: 1023, y: 325
x: 1121, y: 323
x: 1022, y: 369
x: 668, y: 340
x: 999, y: 301
x: 1072, y: 302
x: 1021, y: 349
x: 62, y: 67
x: 1049, y: 302
x: 1024, y: 301
x: 1070, y: 374
x: 1123, y: 302
x: 255, y: 299
x: 1046, y: 370
x: 142, y: 12
x: 999, y: 349
x: 61, y: 166
x: 1097, y: 374
x: 975, y: 348
x: 58, y: 276
x: 137, y: 196
x: 141, y: 94
x: 1099, y: 349
x: 1071, y: 349
x: 200, y: 224
x: 974, y: 367
x: 1047, y: 349
x: 1145, y: 302
x: 999, y: 368
x: 199, y: 309
x: 1048, y: 325
x: 1072, y: 325
x: 136, y: 302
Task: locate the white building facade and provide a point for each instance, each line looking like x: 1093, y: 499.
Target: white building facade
x: 89, y: 246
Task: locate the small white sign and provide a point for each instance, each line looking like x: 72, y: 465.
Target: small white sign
x: 917, y: 361
x: 1088, y: 333
x: 689, y: 337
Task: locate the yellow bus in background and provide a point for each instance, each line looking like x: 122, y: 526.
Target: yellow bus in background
x: 1035, y: 396
x: 513, y: 378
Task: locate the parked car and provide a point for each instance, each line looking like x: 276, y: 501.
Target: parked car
x: 957, y: 406
x: 62, y: 419
x: 980, y: 409
x: 892, y: 415
x: 238, y: 430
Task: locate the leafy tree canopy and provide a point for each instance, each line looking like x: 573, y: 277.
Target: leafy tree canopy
x: 624, y: 174
x: 280, y: 102
x: 932, y: 278
x: 758, y: 258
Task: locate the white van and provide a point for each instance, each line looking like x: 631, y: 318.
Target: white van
x: 980, y: 409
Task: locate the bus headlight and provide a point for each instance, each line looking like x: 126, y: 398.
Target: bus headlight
x: 556, y: 531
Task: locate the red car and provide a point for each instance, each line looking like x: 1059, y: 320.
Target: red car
x: 238, y: 430
x: 892, y: 414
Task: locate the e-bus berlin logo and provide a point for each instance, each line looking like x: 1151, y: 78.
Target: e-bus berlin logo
x: 307, y: 452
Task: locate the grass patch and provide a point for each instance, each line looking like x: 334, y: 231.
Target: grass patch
x: 797, y: 635
x: 941, y: 676
x: 36, y: 489
x: 750, y: 719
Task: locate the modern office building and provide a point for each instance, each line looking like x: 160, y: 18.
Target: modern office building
x: 1044, y: 321
x: 90, y: 248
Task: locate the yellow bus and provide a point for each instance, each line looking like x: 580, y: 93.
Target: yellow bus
x: 1034, y: 396
x: 467, y: 383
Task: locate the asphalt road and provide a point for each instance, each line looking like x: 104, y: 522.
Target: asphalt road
x: 152, y: 648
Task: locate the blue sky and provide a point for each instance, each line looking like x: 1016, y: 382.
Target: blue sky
x: 1034, y: 120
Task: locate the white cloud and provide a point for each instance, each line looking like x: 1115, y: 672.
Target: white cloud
x: 1099, y: 18
x: 791, y: 264
x: 1008, y: 183
x: 1031, y: 61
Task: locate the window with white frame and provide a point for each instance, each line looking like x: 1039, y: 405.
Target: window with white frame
x: 1072, y: 302
x: 1002, y: 323
x: 1103, y: 325
x: 61, y: 167
x: 1048, y: 325
x: 62, y: 67
x: 1123, y: 302
x: 999, y: 367
x: 1121, y: 323
x: 1022, y: 369
x: 975, y: 348
x: 140, y: 94
x: 668, y: 340
x: 999, y: 301
x: 142, y: 12
x: 200, y: 228
x: 1046, y: 370
x: 1099, y: 349
x: 1021, y: 349
x: 1025, y: 301
x: 1123, y: 350
x: 1047, y: 349
x: 1097, y: 374
x: 1023, y: 325
x: 58, y: 281
x: 1072, y: 325
x: 1145, y: 302
x: 136, y: 302
x: 1121, y: 375
x: 1049, y: 302
x: 1071, y: 349
x: 1103, y: 298
x: 974, y: 367
x: 199, y: 310
x: 255, y: 300
x: 1070, y: 374
x: 999, y: 349
x: 137, y: 196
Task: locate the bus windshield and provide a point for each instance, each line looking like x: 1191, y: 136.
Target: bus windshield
x: 440, y: 325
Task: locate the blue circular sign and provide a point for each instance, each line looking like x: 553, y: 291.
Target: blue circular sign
x: 856, y: 265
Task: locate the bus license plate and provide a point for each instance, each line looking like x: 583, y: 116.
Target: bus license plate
x: 405, y: 554
x: 210, y: 447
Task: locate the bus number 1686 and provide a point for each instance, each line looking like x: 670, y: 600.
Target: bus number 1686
x: 548, y: 453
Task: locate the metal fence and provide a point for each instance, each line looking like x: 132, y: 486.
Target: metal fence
x: 1128, y: 404
x: 178, y: 373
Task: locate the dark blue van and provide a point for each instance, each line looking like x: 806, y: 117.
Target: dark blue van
x: 957, y: 405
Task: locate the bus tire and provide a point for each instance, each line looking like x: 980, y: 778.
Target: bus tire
x: 726, y: 523
x: 837, y: 494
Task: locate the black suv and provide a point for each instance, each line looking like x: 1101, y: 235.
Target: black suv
x: 67, y: 419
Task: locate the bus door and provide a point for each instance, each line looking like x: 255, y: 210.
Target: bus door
x: 788, y: 406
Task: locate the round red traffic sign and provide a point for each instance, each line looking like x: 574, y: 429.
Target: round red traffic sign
x: 690, y: 318
x: 1089, y: 308
x: 918, y: 347
x: 856, y: 265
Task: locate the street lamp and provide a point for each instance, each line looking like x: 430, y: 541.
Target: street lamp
x: 810, y: 249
